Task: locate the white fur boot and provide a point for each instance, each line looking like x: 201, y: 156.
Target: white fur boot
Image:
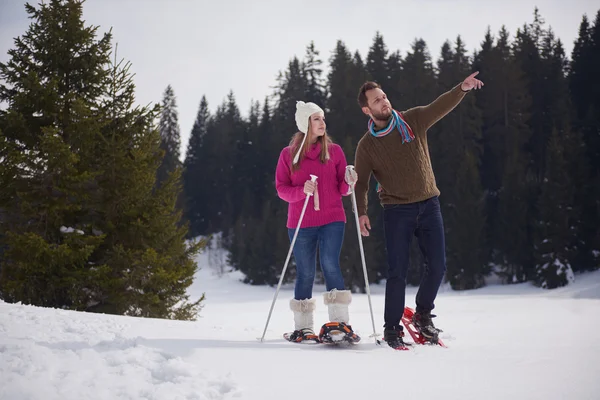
x: 303, y: 313
x: 338, y: 301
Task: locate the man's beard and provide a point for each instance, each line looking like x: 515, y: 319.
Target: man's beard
x: 383, y: 116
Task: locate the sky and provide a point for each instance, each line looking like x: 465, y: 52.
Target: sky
x: 213, y: 47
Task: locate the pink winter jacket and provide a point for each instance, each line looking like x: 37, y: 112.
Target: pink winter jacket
x: 330, y: 185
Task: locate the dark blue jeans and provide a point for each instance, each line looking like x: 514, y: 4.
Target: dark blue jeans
x: 401, y: 222
x: 329, y: 240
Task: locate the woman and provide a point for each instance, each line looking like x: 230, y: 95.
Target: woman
x: 311, y: 152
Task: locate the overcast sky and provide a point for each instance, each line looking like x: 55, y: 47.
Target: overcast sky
x: 211, y: 47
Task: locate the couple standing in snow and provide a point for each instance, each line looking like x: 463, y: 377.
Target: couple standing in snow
x: 394, y: 149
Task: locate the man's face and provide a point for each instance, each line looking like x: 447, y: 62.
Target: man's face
x: 379, y: 107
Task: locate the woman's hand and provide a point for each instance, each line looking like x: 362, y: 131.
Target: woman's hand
x: 309, y: 188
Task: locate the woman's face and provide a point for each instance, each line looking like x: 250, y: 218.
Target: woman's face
x: 317, y: 124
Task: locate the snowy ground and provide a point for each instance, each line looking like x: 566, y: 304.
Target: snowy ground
x: 505, y: 342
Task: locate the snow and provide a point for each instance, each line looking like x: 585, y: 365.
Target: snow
x: 504, y: 342
x: 564, y: 269
x: 64, y: 229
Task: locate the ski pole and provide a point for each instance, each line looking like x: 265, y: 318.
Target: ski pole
x: 362, y: 255
x: 313, y: 178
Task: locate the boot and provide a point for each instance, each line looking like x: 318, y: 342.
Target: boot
x: 303, y: 320
x: 422, y: 321
x: 338, y: 329
x: 393, y: 336
x: 337, y: 302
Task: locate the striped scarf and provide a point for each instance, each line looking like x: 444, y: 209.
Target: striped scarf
x: 395, y: 122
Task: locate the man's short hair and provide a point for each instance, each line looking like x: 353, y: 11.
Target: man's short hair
x: 362, y: 93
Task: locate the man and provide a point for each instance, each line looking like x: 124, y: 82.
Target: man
x: 394, y: 149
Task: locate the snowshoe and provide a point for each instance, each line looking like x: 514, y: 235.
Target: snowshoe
x: 337, y: 332
x: 421, y: 328
x: 305, y: 335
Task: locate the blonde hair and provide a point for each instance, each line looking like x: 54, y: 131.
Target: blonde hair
x: 295, y: 147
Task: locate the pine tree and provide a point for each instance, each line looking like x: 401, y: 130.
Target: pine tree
x: 262, y: 252
x: 581, y: 222
x: 395, y: 74
x: 558, y: 112
x: 193, y: 170
x: 232, y: 161
x: 527, y: 49
x: 151, y: 265
x: 266, y: 187
x: 492, y: 61
x: 552, y: 267
x: 249, y: 176
x: 456, y: 139
x: 53, y: 77
x: 217, y: 201
x: 170, y: 141
x: 360, y: 72
x: 260, y: 242
x: 291, y: 87
x: 581, y: 71
x: 488, y: 62
x: 341, y: 103
x: 316, y: 89
x: 438, y: 139
x: 417, y: 83
x: 512, y: 238
x: 592, y: 138
x: 583, y: 85
x: 345, y: 121
x: 87, y: 229
x: 532, y: 52
x: 254, y: 180
x: 505, y: 104
x: 377, y: 62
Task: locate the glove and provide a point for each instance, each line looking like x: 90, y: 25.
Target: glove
x: 351, y: 177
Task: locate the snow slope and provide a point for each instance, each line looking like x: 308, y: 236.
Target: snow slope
x: 505, y: 342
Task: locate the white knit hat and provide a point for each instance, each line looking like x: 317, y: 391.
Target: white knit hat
x: 303, y: 113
